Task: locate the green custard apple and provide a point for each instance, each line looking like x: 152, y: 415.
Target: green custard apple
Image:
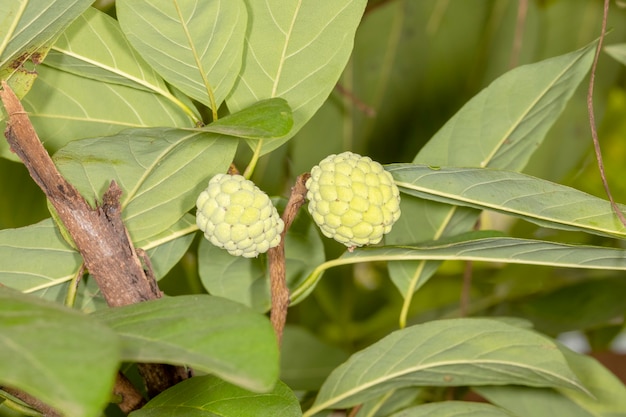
x: 353, y: 199
x: 236, y: 215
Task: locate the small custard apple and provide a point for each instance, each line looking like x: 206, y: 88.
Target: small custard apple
x: 236, y: 215
x: 352, y: 199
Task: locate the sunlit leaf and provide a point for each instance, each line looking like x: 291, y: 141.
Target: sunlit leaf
x: 36, y: 257
x: 95, y: 47
x: 210, y: 334
x: 64, y: 107
x: 499, y: 128
x: 297, y: 51
x: 453, y: 352
x: 161, y: 172
x: 62, y: 357
x: 27, y: 30
x: 195, y: 47
x: 533, y: 199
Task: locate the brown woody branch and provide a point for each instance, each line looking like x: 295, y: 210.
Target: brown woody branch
x: 98, y: 233
x: 278, y: 280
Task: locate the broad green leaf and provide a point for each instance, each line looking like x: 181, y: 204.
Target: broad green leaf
x: 210, y: 334
x: 161, y: 172
x: 533, y: 199
x: 491, y: 249
x: 166, y: 249
x: 454, y: 409
x: 35, y: 258
x: 207, y: 396
x: 305, y: 361
x: 94, y: 47
x: 62, y: 357
x: 247, y: 280
x: 64, y: 107
x: 27, y: 30
x: 607, y: 394
x: 453, y: 352
x: 498, y: 128
x: 297, y: 51
x: 265, y: 119
x: 196, y: 47
x: 617, y: 51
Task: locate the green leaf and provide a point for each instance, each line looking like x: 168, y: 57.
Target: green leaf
x: 305, y: 361
x: 62, y: 357
x: 607, y: 393
x: 498, y: 128
x: 161, y: 172
x: 542, y: 202
x: 246, y: 280
x: 207, y: 396
x: 265, y: 119
x: 94, y: 47
x: 197, y: 48
x: 494, y: 249
x: 617, y: 51
x: 454, y: 409
x: 296, y: 51
x: 64, y: 107
x: 447, y: 353
x: 27, y: 30
x: 166, y: 249
x: 36, y: 258
x: 210, y: 334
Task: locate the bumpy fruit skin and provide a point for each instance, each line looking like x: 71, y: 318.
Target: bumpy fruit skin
x: 352, y: 199
x: 236, y: 215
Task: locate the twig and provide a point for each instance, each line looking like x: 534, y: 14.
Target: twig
x: 276, y: 256
x: 592, y: 120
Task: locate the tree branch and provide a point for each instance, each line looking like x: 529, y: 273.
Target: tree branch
x: 276, y: 256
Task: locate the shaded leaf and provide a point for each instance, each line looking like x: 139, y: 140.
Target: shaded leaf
x: 210, y: 334
x: 306, y: 361
x: 296, y: 51
x: 62, y: 357
x: 454, y: 409
x: 542, y: 202
x: 491, y: 249
x: 607, y: 393
x: 195, y: 47
x: 27, y: 30
x: 207, y: 396
x: 161, y: 172
x: 166, y: 249
x: 617, y: 51
x: 447, y: 353
x: 499, y: 128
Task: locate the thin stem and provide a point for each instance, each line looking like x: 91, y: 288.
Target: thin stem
x: 522, y: 11
x: 255, y: 158
x: 278, y: 281
x: 592, y: 121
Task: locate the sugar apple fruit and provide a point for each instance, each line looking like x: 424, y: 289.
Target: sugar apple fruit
x: 236, y: 215
x: 352, y: 199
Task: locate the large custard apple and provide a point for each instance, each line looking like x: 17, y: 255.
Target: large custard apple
x: 236, y: 215
x: 352, y: 199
